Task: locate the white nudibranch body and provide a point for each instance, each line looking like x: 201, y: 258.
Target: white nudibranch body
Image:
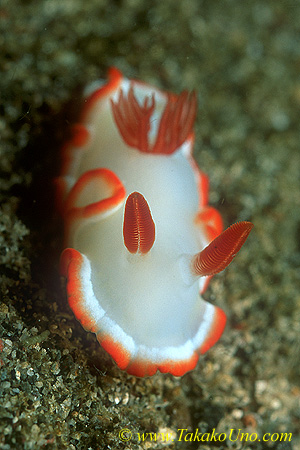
x: 135, y: 209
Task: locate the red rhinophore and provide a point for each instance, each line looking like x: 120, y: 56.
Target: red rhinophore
x: 176, y: 122
x: 221, y: 251
x: 138, y: 227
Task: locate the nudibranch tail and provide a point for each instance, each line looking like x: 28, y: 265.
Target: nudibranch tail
x: 221, y: 251
x: 176, y: 122
x: 138, y: 226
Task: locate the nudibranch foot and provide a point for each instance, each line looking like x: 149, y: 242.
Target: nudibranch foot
x: 131, y: 355
x: 135, y: 206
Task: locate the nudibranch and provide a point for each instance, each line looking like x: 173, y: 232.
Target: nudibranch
x: 141, y: 241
